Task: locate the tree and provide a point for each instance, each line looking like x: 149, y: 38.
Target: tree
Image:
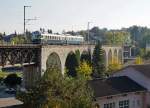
x: 12, y: 80
x: 114, y: 66
x: 1, y: 38
x: 71, y: 65
x: 77, y: 53
x: 50, y: 31
x: 86, y: 56
x: 85, y: 69
x: 56, y: 91
x: 98, y: 61
x: 138, y: 60
x: 147, y: 55
x: 97, y: 34
x: 19, y: 39
x: 117, y: 38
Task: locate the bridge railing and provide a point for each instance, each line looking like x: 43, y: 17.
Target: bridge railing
x: 24, y: 45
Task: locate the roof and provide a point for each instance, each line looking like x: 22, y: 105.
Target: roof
x: 143, y: 69
x: 114, y: 86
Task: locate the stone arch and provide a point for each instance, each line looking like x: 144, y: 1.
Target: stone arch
x: 53, y: 61
x: 105, y: 57
x: 115, y: 53
x: 120, y: 56
x: 71, y: 64
x: 115, y: 57
x: 85, y: 56
x: 110, y: 57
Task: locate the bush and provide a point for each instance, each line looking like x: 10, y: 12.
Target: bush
x: 12, y: 80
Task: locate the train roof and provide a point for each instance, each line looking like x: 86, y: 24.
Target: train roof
x: 62, y: 35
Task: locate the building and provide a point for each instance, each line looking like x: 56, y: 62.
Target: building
x: 129, y: 53
x: 140, y: 74
x: 118, y: 92
x: 147, y: 47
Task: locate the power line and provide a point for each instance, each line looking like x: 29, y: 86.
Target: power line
x: 26, y: 20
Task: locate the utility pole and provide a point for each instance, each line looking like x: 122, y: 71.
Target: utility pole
x: 88, y: 32
x: 26, y: 20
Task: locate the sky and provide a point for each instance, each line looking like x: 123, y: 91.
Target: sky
x: 60, y: 15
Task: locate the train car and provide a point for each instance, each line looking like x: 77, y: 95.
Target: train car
x: 46, y: 38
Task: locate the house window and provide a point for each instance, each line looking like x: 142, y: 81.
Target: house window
x: 138, y: 103
x: 124, y: 104
x: 109, y: 105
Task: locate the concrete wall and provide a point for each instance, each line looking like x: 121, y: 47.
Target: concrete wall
x: 136, y: 100
x: 31, y: 74
x: 63, y: 51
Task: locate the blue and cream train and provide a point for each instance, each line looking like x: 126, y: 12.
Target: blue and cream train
x: 46, y: 38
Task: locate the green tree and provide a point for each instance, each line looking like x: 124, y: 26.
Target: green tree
x: 98, y: 61
x: 71, y: 65
x: 117, y: 38
x: 56, y: 91
x: 12, y: 80
x: 85, y: 69
x: 18, y: 40
x: 114, y: 66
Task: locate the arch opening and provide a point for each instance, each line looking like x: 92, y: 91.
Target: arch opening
x: 115, y: 58
x: 71, y: 64
x: 85, y: 56
x: 105, y: 57
x: 53, y: 61
x: 110, y: 57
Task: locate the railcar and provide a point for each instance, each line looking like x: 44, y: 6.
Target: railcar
x: 46, y: 38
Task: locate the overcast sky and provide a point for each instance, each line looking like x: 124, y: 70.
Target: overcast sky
x: 66, y: 15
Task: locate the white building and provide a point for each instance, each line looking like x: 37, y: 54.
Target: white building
x: 118, y: 92
x: 140, y: 74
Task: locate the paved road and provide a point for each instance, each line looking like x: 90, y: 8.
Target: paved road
x: 3, y: 94
x: 6, y: 102
x: 6, y: 99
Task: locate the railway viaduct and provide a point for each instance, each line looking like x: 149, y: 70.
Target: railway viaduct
x: 35, y: 59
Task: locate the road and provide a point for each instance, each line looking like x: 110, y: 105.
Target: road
x: 7, y: 100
